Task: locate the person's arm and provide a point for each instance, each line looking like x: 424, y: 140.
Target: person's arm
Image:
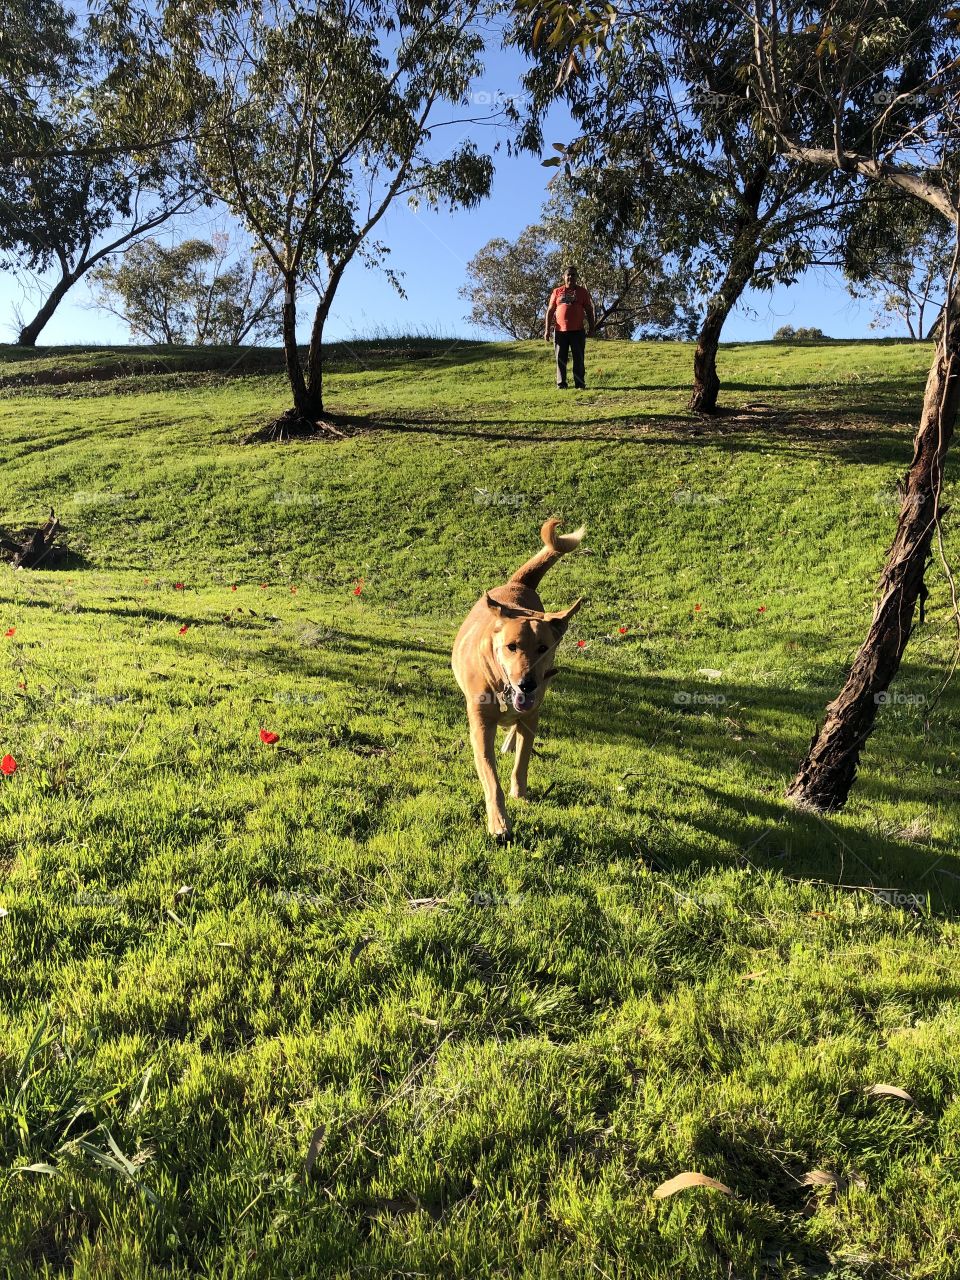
x: 591, y: 316
x: 551, y: 314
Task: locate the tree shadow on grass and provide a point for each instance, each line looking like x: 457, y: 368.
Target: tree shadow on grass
x: 842, y: 435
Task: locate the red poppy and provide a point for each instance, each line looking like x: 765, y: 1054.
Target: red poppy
x: 624, y: 630
x: 269, y: 737
x: 697, y: 608
x: 293, y: 591
x: 234, y: 587
x: 358, y: 588
x: 581, y: 644
x: 10, y: 631
x: 184, y: 629
x: 8, y: 766
x: 263, y: 586
x: 762, y: 609
x: 178, y: 586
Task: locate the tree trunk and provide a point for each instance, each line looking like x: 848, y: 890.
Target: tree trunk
x: 302, y: 400
x: 743, y: 259
x: 30, y: 332
x: 706, y: 380
x: 315, y: 355
x: 826, y: 775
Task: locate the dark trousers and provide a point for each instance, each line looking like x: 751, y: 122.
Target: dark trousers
x: 573, y: 341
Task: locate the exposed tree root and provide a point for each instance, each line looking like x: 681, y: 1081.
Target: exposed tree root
x: 293, y: 425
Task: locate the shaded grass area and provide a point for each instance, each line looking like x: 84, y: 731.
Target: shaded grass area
x: 221, y: 957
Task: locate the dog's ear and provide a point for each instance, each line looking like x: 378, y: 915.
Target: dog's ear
x: 493, y: 604
x: 560, y: 621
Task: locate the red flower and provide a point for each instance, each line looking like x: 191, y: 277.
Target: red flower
x: 358, y: 588
x: 234, y: 587
x: 178, y: 586
x: 268, y: 737
x: 293, y: 591
x: 762, y: 609
x: 697, y: 608
x: 263, y: 586
x: 184, y: 629
x: 10, y: 631
x: 624, y: 630
x: 8, y: 766
x: 581, y: 644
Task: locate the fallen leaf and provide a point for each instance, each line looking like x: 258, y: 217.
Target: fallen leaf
x: 684, y: 1180
x: 316, y: 1142
x: 820, y: 1178
x: 887, y: 1091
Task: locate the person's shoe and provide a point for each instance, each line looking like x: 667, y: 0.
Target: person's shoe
x: 561, y: 386
x: 581, y: 386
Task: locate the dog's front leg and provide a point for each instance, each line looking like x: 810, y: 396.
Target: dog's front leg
x: 483, y: 734
x: 526, y: 732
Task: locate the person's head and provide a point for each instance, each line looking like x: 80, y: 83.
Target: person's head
x: 570, y: 276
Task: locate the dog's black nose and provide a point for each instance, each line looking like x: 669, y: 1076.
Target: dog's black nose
x: 528, y: 684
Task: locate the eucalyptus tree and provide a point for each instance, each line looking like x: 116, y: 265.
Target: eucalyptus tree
x: 70, y: 197
x: 871, y: 92
x: 637, y: 290
x: 896, y: 254
x: 665, y: 136
x: 317, y: 119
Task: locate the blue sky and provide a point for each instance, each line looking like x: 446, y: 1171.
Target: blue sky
x: 432, y: 250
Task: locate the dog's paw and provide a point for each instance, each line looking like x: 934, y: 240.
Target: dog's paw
x: 499, y: 828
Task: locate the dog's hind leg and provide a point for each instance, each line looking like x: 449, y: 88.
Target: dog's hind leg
x: 483, y: 735
x: 526, y: 731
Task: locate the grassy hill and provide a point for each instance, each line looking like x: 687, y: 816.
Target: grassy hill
x: 285, y: 1010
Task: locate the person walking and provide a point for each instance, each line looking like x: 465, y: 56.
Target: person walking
x: 569, y: 306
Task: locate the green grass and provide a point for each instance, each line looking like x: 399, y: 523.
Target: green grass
x: 216, y: 951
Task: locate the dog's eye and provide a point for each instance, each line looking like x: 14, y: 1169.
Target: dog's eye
x: 513, y: 647
x: 542, y: 649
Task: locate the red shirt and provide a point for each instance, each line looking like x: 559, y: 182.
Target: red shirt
x: 570, y: 304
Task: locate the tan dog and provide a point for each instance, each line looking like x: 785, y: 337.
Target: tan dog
x: 502, y: 661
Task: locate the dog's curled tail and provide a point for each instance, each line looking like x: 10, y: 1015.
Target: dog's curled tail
x: 554, y: 546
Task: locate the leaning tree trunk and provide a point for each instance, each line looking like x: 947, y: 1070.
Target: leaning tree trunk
x: 826, y: 775
x: 744, y: 254
x: 706, y: 380
x: 315, y: 355
x: 30, y: 332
